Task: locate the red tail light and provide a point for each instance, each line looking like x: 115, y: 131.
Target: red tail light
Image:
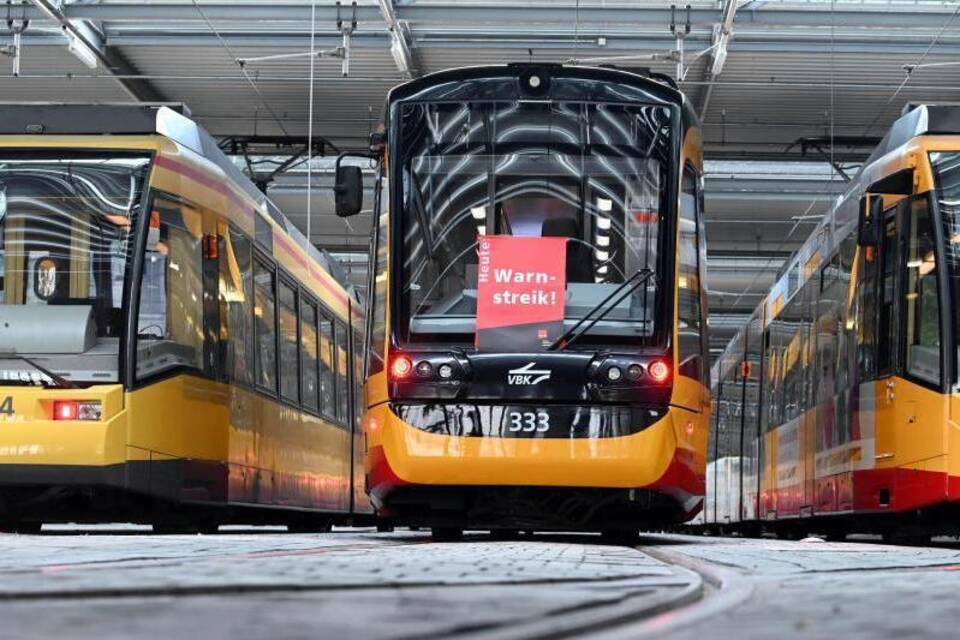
x: 401, y: 367
x: 90, y: 410
x: 659, y: 371
x: 65, y: 409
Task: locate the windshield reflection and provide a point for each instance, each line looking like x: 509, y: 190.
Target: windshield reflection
x: 592, y: 173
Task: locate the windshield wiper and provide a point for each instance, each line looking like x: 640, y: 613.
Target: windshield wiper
x: 626, y: 288
x: 56, y: 379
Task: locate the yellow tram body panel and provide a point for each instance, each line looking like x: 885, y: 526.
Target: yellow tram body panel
x: 634, y: 461
x: 300, y: 459
x: 30, y: 436
x: 905, y: 432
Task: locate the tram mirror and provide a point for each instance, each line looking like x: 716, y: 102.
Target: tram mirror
x: 348, y: 191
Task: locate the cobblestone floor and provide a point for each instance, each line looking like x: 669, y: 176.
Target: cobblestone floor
x: 122, y: 582
x: 820, y: 590
x: 348, y: 584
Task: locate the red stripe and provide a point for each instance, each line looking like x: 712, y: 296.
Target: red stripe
x: 210, y: 182
x: 222, y: 188
x: 288, y: 248
x: 322, y: 277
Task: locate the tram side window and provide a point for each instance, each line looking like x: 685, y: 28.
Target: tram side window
x: 715, y: 423
x: 797, y: 371
x: 923, y: 303
x: 309, y: 379
x: 236, y: 307
x: 690, y: 345
x: 887, y: 329
x: 343, y: 406
x: 327, y: 393
x: 847, y: 343
x: 867, y: 270
x: 170, y: 321
x: 828, y: 332
x: 266, y: 325
x: 792, y: 371
x: 289, y: 369
x: 773, y: 377
x: 358, y: 377
x: 730, y: 410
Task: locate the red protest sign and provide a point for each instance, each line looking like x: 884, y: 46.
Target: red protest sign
x: 520, y: 292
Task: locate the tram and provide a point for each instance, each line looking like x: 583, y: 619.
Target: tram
x: 172, y: 350
x: 836, y: 406
x: 536, y: 326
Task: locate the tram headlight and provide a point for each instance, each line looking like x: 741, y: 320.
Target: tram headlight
x: 424, y: 369
x: 401, y: 367
x: 614, y: 374
x: 634, y: 372
x: 445, y: 372
x: 659, y: 371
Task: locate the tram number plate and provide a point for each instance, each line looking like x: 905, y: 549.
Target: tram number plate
x: 528, y: 421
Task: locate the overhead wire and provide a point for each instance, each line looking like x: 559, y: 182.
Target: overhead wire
x: 576, y: 29
x: 908, y: 70
x: 804, y: 217
x: 263, y: 101
x: 313, y: 58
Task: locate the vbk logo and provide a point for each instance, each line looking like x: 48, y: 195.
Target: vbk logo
x: 527, y: 375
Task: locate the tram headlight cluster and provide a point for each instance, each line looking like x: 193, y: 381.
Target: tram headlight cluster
x: 423, y: 376
x: 425, y: 368
x: 84, y: 410
x: 619, y: 370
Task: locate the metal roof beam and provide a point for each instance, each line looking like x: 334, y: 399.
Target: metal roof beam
x: 401, y: 40
x: 910, y: 17
x: 378, y: 39
x: 83, y: 35
x: 722, y: 33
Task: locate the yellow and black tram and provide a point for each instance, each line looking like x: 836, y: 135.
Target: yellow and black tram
x: 837, y: 405
x: 172, y: 350
x: 597, y: 422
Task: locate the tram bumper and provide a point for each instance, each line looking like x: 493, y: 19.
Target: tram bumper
x: 71, y: 435
x: 55, y: 442
x: 54, y: 463
x: 413, y: 455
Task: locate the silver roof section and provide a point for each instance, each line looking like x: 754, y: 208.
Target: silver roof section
x: 919, y: 120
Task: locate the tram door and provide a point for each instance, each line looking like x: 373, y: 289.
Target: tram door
x: 887, y: 336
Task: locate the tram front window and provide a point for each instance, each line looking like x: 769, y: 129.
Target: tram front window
x: 595, y: 174
x: 65, y: 228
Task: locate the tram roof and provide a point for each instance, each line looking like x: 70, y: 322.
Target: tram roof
x: 918, y: 120
x: 171, y: 120
x: 657, y: 86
